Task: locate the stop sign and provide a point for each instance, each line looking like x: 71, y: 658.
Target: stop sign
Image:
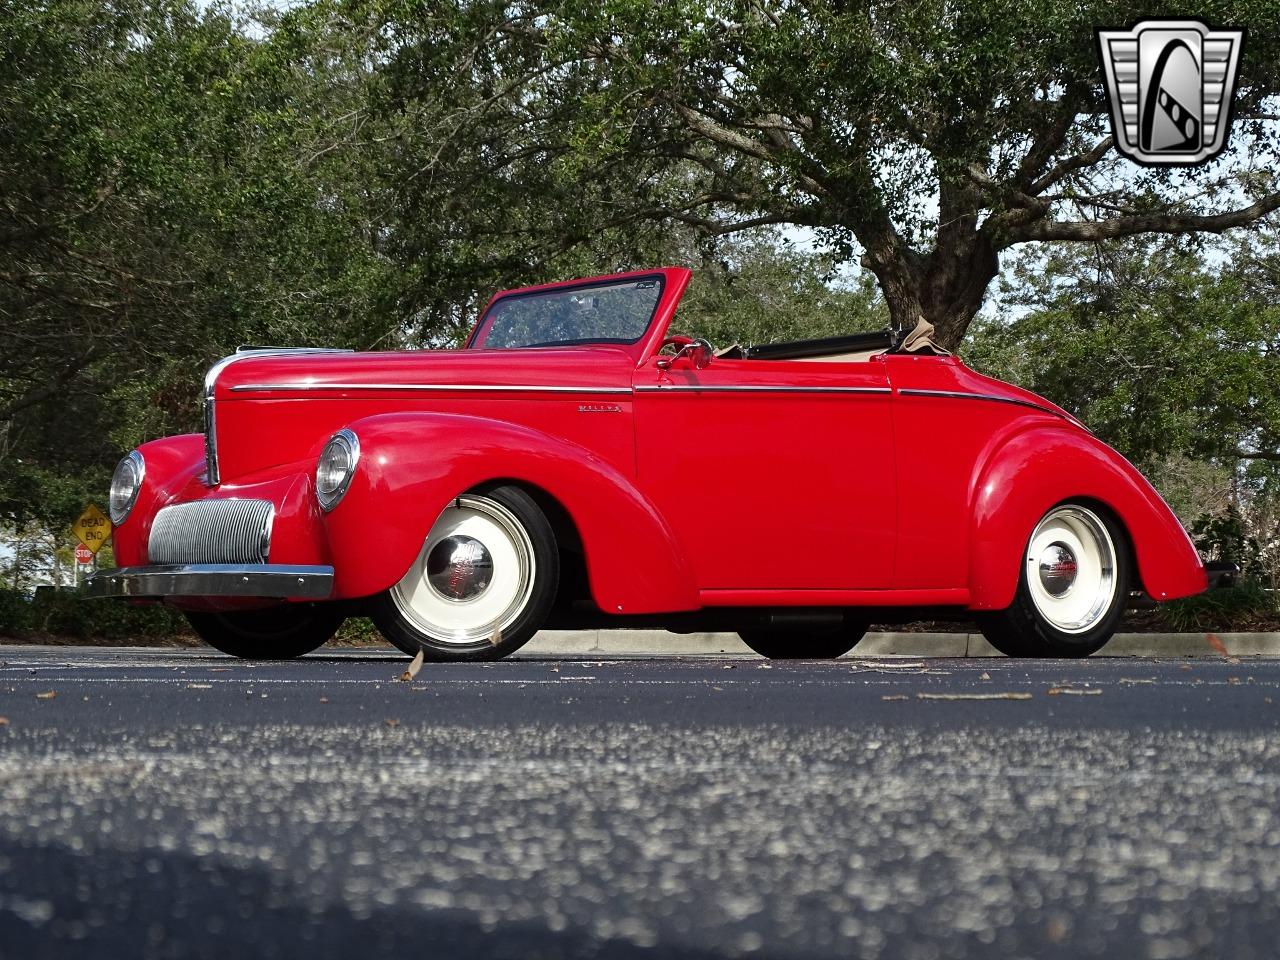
x: 83, y: 554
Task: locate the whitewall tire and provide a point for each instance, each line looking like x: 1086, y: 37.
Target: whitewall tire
x: 1072, y: 587
x: 482, y: 584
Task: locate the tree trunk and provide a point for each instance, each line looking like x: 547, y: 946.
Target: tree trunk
x: 946, y: 288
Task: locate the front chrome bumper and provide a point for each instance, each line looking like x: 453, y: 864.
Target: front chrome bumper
x: 270, y: 580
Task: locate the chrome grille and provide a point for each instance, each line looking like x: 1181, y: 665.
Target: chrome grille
x: 212, y: 531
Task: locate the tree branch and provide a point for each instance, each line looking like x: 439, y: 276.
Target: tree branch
x: 1258, y: 454
x: 1070, y: 165
x: 705, y: 126
x: 1147, y: 223
x: 1050, y: 139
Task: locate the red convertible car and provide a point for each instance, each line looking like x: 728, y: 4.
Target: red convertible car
x: 579, y: 464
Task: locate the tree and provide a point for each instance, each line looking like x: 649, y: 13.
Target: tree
x: 755, y: 288
x: 932, y: 136
x: 1161, y: 350
x: 1172, y: 355
x: 177, y: 182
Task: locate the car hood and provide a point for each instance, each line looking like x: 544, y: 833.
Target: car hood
x: 262, y: 374
x: 265, y: 409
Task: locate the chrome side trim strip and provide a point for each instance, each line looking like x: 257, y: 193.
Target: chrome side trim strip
x: 211, y: 381
x: 274, y: 581
x: 426, y: 387
x: 956, y: 395
x: 694, y: 388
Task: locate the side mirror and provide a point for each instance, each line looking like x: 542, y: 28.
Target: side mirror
x: 699, y: 353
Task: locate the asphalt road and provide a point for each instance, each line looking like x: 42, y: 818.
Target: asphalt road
x: 181, y: 804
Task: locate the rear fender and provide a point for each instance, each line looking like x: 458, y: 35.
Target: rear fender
x: 1031, y: 471
x: 413, y: 464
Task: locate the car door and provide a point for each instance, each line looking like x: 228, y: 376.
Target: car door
x: 772, y: 473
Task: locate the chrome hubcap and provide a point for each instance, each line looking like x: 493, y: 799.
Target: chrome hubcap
x: 459, y: 568
x: 473, y: 577
x: 1071, y: 569
x: 1058, y: 569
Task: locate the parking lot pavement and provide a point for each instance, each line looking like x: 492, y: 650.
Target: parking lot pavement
x: 181, y: 804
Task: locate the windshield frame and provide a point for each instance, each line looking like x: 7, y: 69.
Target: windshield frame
x: 482, y: 329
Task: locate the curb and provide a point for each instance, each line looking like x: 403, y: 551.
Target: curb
x: 660, y: 642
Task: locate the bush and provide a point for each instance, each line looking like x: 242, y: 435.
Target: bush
x: 62, y: 613
x: 1246, y: 606
x: 15, y: 612
x: 359, y: 632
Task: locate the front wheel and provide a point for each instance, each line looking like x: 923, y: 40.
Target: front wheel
x: 1072, y: 588
x: 482, y: 584
x: 823, y: 643
x: 275, y: 633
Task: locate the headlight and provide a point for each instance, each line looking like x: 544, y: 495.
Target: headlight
x: 336, y: 468
x: 125, y: 484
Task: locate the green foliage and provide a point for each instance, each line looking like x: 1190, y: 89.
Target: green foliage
x: 756, y: 289
x: 1158, y: 349
x: 359, y: 632
x: 16, y: 615
x: 62, y: 613
x: 1246, y: 606
x: 927, y: 136
x: 1225, y: 537
x: 177, y: 182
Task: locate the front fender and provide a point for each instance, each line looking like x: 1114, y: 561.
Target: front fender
x: 413, y: 464
x: 1029, y: 472
x: 169, y: 465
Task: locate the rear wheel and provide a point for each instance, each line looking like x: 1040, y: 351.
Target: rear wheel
x: 823, y: 643
x: 1072, y: 588
x: 276, y: 633
x: 482, y: 584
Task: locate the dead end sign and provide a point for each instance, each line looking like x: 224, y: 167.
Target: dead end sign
x: 93, y: 529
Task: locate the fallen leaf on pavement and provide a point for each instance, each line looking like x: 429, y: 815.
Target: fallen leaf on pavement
x: 985, y: 676
x: 47, y: 695
x: 973, y: 696
x: 324, y: 699
x: 497, y: 637
x: 1217, y: 644
x: 1074, y: 691
x: 4, y: 721
x: 414, y: 667
x: 392, y: 723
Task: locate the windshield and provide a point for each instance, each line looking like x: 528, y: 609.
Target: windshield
x: 617, y: 312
